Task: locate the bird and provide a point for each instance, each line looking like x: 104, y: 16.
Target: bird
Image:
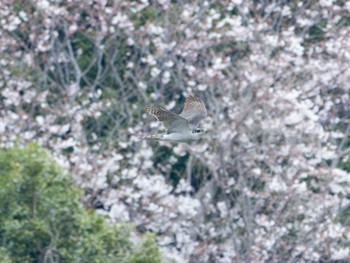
x: 181, y: 127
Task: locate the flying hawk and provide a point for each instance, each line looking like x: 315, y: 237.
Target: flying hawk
x: 181, y: 127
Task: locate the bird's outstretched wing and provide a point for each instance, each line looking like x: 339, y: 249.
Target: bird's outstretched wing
x: 194, y: 111
x: 171, y: 121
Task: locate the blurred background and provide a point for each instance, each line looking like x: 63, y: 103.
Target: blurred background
x: 270, y: 183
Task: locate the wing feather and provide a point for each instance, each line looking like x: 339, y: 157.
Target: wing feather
x: 171, y: 121
x: 194, y: 111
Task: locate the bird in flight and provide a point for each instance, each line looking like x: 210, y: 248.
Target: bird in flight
x: 181, y: 127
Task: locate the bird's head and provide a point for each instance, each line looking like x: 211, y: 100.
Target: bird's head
x: 200, y: 131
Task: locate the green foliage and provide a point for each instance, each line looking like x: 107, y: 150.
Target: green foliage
x: 316, y: 32
x: 42, y: 218
x: 343, y: 21
x: 178, y: 169
x: 345, y: 165
x: 146, y: 15
x: 4, y: 257
x: 85, y: 53
x: 311, y: 182
x: 257, y: 184
x: 344, y: 216
x: 148, y: 252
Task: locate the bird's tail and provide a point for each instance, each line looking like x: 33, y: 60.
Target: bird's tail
x: 153, y: 137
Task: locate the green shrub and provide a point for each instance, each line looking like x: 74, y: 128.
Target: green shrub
x: 42, y: 218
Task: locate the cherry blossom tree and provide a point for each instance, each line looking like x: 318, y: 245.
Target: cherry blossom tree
x: 271, y: 181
